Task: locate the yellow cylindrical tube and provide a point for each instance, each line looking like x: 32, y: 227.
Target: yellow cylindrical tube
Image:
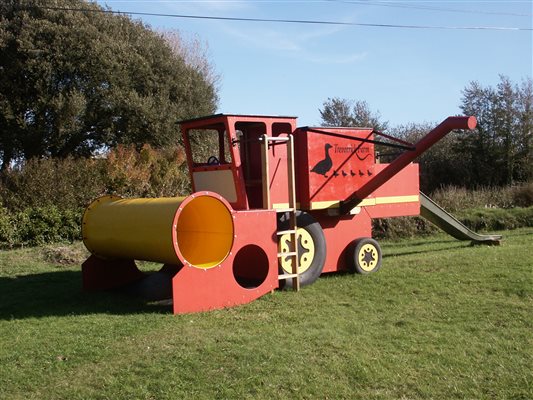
x: 196, y: 230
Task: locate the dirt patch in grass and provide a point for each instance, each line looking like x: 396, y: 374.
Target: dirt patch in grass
x: 64, y: 255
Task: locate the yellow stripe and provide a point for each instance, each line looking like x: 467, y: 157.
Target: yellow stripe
x: 321, y: 205
x: 397, y: 199
x: 277, y: 206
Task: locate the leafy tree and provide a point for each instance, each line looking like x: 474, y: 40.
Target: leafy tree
x: 343, y: 112
x: 499, y: 152
x: 441, y: 165
x: 73, y: 83
x: 195, y: 53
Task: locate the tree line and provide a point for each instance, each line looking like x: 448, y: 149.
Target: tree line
x: 77, y: 83
x: 498, y: 152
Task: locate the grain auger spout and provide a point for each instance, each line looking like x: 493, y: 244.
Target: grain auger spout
x: 445, y: 127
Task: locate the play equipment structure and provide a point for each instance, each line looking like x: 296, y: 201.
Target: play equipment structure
x: 273, y: 206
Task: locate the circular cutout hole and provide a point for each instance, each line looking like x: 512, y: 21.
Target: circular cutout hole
x: 250, y: 266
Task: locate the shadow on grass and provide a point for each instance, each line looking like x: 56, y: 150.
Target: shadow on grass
x: 60, y: 293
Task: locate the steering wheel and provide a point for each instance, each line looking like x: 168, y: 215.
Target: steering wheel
x: 212, y: 160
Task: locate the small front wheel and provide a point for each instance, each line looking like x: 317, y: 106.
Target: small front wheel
x: 364, y: 256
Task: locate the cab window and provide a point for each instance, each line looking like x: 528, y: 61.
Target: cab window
x: 209, y: 147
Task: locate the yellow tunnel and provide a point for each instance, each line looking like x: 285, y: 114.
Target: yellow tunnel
x: 196, y: 230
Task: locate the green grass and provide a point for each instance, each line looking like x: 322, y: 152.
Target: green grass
x: 440, y: 320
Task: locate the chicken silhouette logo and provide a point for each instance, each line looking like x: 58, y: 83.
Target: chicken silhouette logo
x: 322, y: 167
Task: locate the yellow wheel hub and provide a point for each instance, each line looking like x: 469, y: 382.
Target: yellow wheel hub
x: 306, y: 251
x: 368, y: 257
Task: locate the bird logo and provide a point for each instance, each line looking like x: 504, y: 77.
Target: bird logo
x: 322, y: 167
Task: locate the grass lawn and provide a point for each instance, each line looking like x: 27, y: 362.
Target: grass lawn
x: 440, y: 320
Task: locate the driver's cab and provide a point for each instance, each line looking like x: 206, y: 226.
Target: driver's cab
x: 224, y: 154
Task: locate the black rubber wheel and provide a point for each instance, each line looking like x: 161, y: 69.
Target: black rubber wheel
x: 364, y: 256
x: 311, y: 249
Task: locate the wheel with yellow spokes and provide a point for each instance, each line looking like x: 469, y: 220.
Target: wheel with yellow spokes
x: 311, y: 249
x: 364, y: 256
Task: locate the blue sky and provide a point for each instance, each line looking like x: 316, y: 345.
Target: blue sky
x: 408, y: 75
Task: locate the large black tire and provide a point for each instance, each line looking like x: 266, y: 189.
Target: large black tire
x: 311, y: 241
x: 364, y: 256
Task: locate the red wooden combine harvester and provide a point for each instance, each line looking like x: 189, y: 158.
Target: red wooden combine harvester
x: 274, y: 206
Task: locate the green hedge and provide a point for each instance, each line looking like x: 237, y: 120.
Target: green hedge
x: 42, y: 200
x: 493, y: 219
x: 38, y: 226
x: 42, y: 225
x: 72, y: 183
x: 479, y: 220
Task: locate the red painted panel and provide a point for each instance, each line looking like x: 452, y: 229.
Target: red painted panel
x: 339, y: 233
x: 197, y: 289
x: 405, y: 183
x: 394, y: 210
x: 330, y: 168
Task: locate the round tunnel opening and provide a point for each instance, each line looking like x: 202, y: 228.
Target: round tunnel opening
x: 204, y: 231
x: 250, y: 266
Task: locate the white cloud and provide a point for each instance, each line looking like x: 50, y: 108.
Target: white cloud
x: 262, y: 38
x: 336, y: 59
x: 200, y: 6
x: 307, y: 42
x: 293, y: 43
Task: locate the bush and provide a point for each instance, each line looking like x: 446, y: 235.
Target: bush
x: 523, y: 195
x: 65, y: 183
x: 73, y: 183
x: 147, y: 172
x: 479, y: 220
x: 497, y: 219
x: 401, y: 227
x: 42, y: 200
x: 8, y: 230
x: 37, y: 226
x: 484, y: 209
x: 455, y: 199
